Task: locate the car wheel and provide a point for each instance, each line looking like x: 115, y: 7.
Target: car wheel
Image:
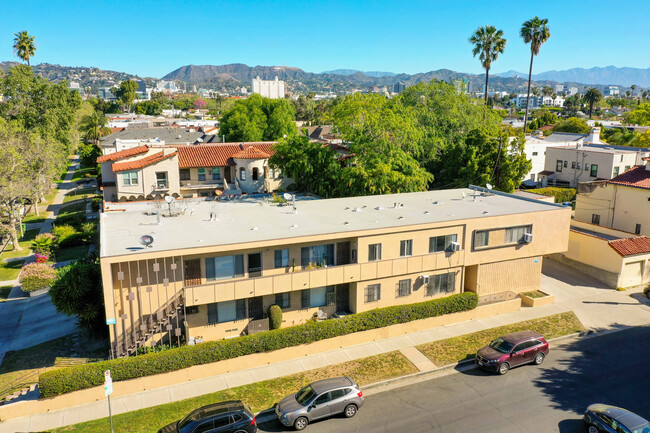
x: 350, y: 411
x: 503, y: 368
x: 539, y: 358
x: 300, y: 423
x: 592, y: 429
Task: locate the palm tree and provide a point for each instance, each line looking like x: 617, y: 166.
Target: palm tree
x: 24, y: 46
x: 535, y: 32
x: 592, y: 96
x: 488, y: 44
x: 91, y: 126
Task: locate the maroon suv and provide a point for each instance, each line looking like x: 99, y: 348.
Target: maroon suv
x: 512, y: 350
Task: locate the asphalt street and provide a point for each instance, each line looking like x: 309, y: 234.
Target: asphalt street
x: 610, y: 368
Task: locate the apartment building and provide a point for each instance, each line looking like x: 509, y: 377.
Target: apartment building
x: 215, y: 268
x: 622, y: 203
x: 536, y: 145
x: 151, y: 172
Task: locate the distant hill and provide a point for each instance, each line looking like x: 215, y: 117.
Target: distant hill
x: 85, y: 76
x: 354, y: 71
x: 610, y: 75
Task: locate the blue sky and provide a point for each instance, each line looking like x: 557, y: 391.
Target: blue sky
x: 152, y: 38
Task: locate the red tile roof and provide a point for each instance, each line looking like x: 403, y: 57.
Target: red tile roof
x: 631, y: 246
x: 216, y: 155
x: 637, y: 177
x: 144, y: 162
x: 122, y: 154
x: 251, y: 153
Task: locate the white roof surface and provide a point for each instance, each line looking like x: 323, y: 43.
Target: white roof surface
x: 252, y: 220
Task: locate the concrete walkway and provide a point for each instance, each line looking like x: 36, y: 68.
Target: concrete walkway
x: 596, y: 306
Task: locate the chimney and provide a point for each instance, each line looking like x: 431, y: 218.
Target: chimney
x: 594, y: 136
x: 647, y: 163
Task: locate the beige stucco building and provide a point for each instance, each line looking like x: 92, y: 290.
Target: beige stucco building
x: 215, y: 268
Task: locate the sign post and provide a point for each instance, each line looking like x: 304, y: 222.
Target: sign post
x: 108, y: 390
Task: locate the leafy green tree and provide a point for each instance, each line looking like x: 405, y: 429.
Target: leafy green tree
x: 572, y: 124
x: 592, y: 96
x: 125, y: 92
x: 77, y: 291
x: 640, y: 115
x: 150, y: 108
x: 24, y: 46
x: 620, y: 137
x: 536, y: 33
x: 259, y: 119
x: 91, y: 127
x: 488, y: 44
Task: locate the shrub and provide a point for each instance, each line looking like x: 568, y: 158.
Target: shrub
x: 96, y: 204
x: 75, y: 240
x: 41, y: 258
x: 275, y: 317
x: 63, y: 231
x: 43, y: 243
x: 70, y: 379
x: 561, y: 194
x: 36, y: 276
x: 75, y: 219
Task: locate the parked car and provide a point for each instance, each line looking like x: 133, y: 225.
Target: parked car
x: 611, y: 419
x: 512, y: 350
x: 225, y: 417
x: 320, y: 399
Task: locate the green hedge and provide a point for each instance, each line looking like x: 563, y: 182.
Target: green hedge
x: 70, y: 379
x: 561, y: 194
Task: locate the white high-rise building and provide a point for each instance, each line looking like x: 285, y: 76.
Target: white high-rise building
x: 273, y: 89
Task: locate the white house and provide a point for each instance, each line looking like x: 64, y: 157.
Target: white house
x: 273, y: 89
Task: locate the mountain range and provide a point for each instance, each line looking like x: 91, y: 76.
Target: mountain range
x: 609, y: 75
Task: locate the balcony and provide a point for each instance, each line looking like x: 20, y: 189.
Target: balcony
x: 242, y: 288
x: 194, y: 185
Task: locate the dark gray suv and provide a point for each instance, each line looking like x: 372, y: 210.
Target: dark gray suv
x: 318, y: 400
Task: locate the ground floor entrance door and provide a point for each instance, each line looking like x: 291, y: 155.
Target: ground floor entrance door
x: 192, y: 272
x: 343, y: 298
x: 255, y: 308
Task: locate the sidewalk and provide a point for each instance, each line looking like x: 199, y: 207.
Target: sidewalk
x: 597, y: 307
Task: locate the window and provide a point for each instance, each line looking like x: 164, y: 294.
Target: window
x: 280, y: 174
x: 481, y: 238
x: 242, y: 173
x: 201, y: 173
x: 222, y: 421
x: 595, y: 218
x: 338, y: 393
x: 373, y: 293
x: 558, y: 166
x: 534, y: 153
x: 627, y: 167
x: 161, y: 179
x: 403, y: 288
x: 566, y: 164
x: 374, y: 252
x: 271, y: 172
x: 637, y: 229
x: 621, y: 158
x: 317, y: 255
x: 228, y: 311
x: 406, y: 248
x: 283, y: 300
x: 184, y: 174
x: 216, y: 173
x: 317, y: 297
x: 282, y: 258
x: 194, y: 309
x: 586, y: 166
x: 442, y: 283
x: 516, y: 234
x: 573, y: 164
x: 256, y: 173
x: 616, y: 171
x: 217, y: 268
x: 130, y: 178
x: 438, y: 244
x: 578, y: 166
x: 204, y: 427
x: 594, y: 170
x: 322, y: 399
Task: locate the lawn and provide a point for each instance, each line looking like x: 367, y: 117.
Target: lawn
x: 259, y: 396
x: 10, y: 270
x: 81, y: 173
x: 25, y: 242
x: 451, y: 350
x: 73, y: 206
x: 4, y: 292
x: 71, y: 253
x: 23, y: 367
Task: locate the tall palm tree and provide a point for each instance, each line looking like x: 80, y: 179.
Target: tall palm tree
x: 592, y: 96
x: 24, y: 46
x: 91, y: 127
x: 488, y: 44
x: 535, y: 32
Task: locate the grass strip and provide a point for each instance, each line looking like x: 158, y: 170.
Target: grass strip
x: 4, y: 292
x: 259, y: 396
x: 455, y: 349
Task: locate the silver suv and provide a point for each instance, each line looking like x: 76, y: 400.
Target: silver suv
x: 318, y: 400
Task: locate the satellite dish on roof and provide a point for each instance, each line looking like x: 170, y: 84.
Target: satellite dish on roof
x: 287, y: 196
x: 169, y: 199
x: 146, y: 240
x: 488, y: 186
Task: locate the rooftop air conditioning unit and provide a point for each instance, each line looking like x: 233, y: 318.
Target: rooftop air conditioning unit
x: 454, y: 246
x: 528, y: 237
x: 425, y: 279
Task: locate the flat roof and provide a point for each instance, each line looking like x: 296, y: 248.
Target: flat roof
x: 253, y: 220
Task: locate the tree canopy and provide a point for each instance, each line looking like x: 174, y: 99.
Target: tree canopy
x: 640, y: 115
x: 488, y: 44
x: 125, y: 92
x: 572, y: 124
x: 259, y: 119
x: 24, y: 46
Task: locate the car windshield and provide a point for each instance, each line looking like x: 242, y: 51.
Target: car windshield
x: 304, y: 395
x: 187, y: 424
x: 501, y: 345
x: 645, y: 428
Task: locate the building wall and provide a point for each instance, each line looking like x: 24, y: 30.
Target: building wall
x: 146, y: 177
x: 535, y: 150
x: 606, y: 161
x: 250, y: 186
x: 520, y: 275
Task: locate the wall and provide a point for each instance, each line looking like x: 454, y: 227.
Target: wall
x: 606, y: 162
x: 250, y: 186
x: 521, y: 275
x: 147, y: 178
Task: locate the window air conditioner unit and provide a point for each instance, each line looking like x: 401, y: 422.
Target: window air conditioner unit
x: 454, y: 246
x: 528, y: 237
x: 425, y: 279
